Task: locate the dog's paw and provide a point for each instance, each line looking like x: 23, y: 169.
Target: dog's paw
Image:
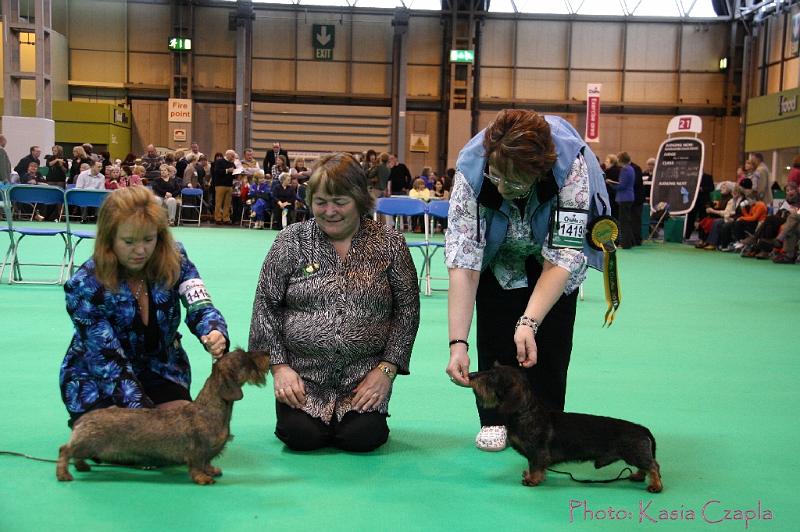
x: 655, y: 487
x: 213, y: 471
x: 202, y: 479
x: 82, y: 466
x: 532, y: 479
x: 64, y: 476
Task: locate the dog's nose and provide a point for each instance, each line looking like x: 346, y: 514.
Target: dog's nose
x: 473, y: 374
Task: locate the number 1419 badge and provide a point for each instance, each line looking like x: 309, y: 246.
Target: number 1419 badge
x: 568, y: 228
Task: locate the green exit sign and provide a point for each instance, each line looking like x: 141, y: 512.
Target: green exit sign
x: 462, y: 56
x: 180, y: 44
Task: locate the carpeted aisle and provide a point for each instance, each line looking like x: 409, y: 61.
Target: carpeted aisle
x: 704, y: 352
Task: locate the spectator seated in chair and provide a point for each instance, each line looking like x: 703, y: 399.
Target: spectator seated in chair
x: 259, y: 199
x: 715, y: 212
x: 168, y: 191
x: 765, y: 237
x: 283, y: 197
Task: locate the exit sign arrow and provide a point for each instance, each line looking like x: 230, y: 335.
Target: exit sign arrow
x: 322, y: 37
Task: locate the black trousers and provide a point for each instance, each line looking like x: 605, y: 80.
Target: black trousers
x: 627, y: 227
x: 637, y: 223
x: 358, y: 433
x: 497, y: 313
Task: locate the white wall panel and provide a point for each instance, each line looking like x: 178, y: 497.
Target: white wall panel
x: 149, y: 69
x: 597, y: 45
x: 532, y: 84
x: 424, y: 40
x: 703, y: 88
x: 149, y: 27
x: 423, y: 81
x: 94, y: 65
x: 372, y: 79
x: 542, y: 44
x: 703, y: 46
x: 651, y: 47
x: 372, y: 39
x: 650, y: 87
x: 324, y: 76
x: 214, y: 72
x: 273, y: 75
x: 97, y: 24
x: 211, y: 34
x: 498, y: 41
x: 496, y: 83
x: 274, y: 38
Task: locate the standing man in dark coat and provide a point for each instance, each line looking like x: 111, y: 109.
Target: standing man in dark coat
x: 272, y: 157
x: 32, y: 157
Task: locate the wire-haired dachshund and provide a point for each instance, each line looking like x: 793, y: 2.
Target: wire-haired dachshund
x: 546, y: 437
x: 192, y: 434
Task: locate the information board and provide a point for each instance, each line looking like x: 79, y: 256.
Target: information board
x: 676, y: 178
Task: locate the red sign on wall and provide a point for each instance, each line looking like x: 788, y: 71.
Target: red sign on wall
x: 592, y: 113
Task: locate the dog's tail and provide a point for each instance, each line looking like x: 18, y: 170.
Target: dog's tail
x: 652, y: 441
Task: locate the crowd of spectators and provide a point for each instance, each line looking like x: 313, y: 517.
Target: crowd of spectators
x: 730, y: 216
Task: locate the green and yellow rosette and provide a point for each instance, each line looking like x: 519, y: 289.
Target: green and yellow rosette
x: 602, y: 232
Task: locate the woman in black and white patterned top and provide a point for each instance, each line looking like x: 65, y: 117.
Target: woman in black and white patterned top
x: 337, y: 309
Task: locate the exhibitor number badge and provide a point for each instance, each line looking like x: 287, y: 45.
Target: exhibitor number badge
x: 194, y: 294
x: 569, y: 228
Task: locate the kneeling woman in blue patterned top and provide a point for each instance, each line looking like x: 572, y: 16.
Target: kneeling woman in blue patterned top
x: 337, y: 309
x: 125, y: 305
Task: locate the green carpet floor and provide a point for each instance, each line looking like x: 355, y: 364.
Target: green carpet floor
x: 702, y: 352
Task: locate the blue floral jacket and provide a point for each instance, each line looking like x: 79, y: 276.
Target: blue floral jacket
x: 107, y: 353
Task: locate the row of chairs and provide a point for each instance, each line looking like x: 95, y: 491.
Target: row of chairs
x: 44, y: 195
x: 400, y: 207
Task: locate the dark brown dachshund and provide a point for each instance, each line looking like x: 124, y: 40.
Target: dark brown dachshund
x: 191, y: 434
x: 546, y: 437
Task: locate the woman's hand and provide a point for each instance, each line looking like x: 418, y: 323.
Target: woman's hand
x: 458, y: 367
x: 371, y: 391
x: 526, y: 346
x: 289, y: 387
x: 215, y: 343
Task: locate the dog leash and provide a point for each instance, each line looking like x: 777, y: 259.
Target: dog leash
x: 48, y: 460
x: 606, y: 481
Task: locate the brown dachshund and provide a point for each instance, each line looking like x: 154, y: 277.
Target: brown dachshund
x: 191, y: 434
x: 546, y: 437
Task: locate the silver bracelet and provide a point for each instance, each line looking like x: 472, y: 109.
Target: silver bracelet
x: 528, y: 322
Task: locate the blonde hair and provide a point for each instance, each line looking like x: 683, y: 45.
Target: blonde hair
x: 136, y: 206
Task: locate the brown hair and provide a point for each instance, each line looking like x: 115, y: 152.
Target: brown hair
x: 383, y: 157
x: 339, y: 174
x: 137, y: 206
x: 623, y: 158
x: 796, y: 162
x: 519, y: 142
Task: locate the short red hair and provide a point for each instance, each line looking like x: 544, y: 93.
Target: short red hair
x: 518, y: 142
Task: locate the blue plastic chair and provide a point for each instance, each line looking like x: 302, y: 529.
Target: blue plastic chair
x: 399, y: 207
x: 191, y: 193
x: 46, y: 195
x: 82, y: 198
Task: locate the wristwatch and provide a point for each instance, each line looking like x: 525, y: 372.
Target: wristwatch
x: 389, y: 372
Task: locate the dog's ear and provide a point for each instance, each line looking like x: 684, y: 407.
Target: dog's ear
x: 227, y: 379
x: 229, y: 389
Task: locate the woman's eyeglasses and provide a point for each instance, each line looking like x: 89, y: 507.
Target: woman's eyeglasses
x: 510, y: 187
